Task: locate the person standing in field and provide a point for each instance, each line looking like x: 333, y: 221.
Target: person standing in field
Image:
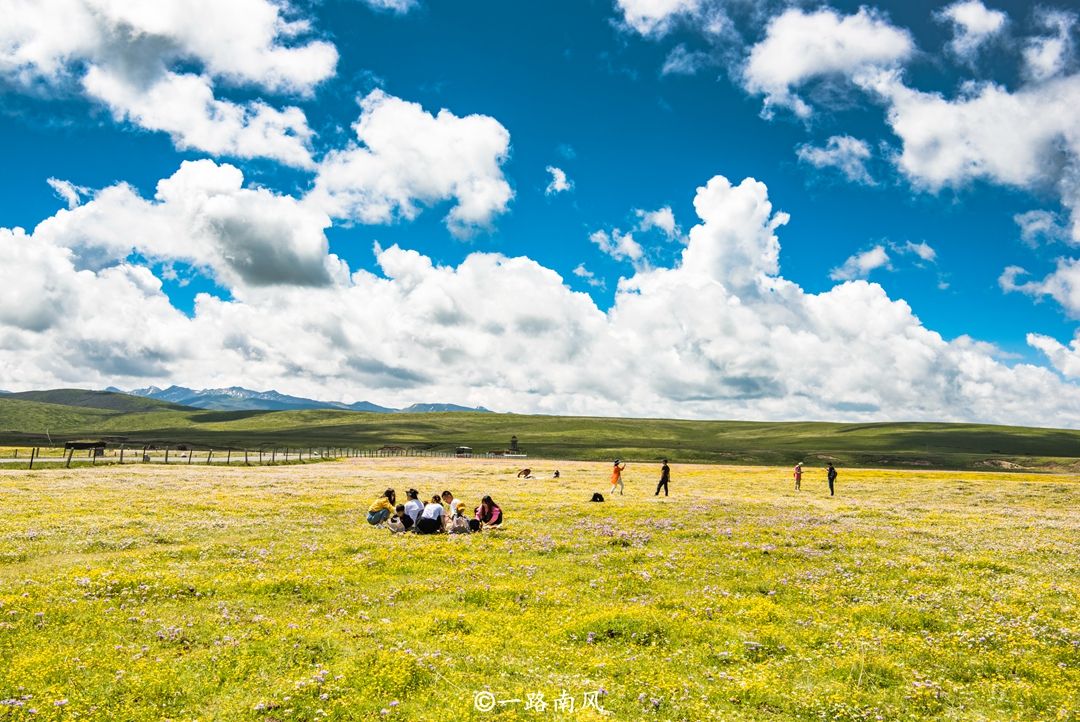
x: 798, y: 476
x: 832, y: 478
x: 616, y: 477
x: 382, y: 508
x: 665, y: 477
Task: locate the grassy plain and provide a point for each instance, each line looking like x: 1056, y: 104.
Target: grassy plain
x: 183, y: 593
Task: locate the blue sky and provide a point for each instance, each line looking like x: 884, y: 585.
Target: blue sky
x: 880, y: 148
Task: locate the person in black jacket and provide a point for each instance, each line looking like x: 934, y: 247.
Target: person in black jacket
x: 832, y: 478
x: 665, y: 477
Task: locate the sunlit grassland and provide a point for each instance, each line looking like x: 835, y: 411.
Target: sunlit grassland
x: 145, y: 593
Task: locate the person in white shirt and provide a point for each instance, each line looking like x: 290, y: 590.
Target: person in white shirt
x: 414, y: 507
x: 433, y: 518
x: 450, y: 501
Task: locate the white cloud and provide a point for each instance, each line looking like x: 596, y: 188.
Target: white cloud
x: 397, y: 6
x: 843, y: 152
x: 407, y: 158
x: 1040, y: 227
x: 921, y: 249
x: 128, y: 56
x: 1025, y: 138
x: 200, y: 215
x: 620, y: 246
x: 71, y: 193
x: 681, y: 61
x: 662, y: 219
x: 973, y: 24
x: 1065, y: 359
x: 655, y: 17
x: 799, y: 47
x: 588, y: 276
x: 1048, y: 56
x: 559, y: 182
x: 719, y: 334
x: 1062, y: 285
x: 861, y: 264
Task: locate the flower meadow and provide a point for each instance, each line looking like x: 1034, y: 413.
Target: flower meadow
x: 201, y: 593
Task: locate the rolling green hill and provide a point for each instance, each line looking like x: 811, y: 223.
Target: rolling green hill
x: 913, y: 445
x: 95, y: 400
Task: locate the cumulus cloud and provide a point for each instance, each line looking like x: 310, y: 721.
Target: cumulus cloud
x: 801, y: 46
x: 1065, y: 359
x: 1062, y: 285
x: 861, y: 264
x: 842, y: 152
x: 559, y: 182
x: 720, y: 333
x: 662, y: 219
x: 1024, y: 138
x: 158, y: 65
x: 1047, y: 56
x: 406, y: 158
x: 655, y: 17
x: 201, y: 215
x: 619, y: 245
x: 973, y: 24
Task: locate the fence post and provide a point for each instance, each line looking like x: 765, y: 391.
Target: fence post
x: 33, y: 453
x: 68, y: 464
x: 166, y: 453
x: 273, y: 455
x: 245, y: 458
x: 228, y: 456
x: 190, y: 453
x: 260, y: 457
x: 121, y: 454
x: 209, y: 454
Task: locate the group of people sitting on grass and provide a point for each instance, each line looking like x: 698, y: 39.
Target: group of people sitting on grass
x: 442, y: 514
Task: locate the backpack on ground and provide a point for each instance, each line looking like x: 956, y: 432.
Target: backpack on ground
x: 597, y: 496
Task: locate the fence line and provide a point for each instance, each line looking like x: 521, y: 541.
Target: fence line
x: 186, y: 455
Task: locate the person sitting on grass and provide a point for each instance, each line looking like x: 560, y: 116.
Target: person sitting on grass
x: 488, y: 513
x: 403, y: 518
x: 459, y: 524
x: 382, y: 508
x: 450, y: 501
x: 413, y: 506
x: 395, y: 526
x: 433, y: 518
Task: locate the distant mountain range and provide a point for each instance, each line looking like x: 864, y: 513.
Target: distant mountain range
x: 236, y: 398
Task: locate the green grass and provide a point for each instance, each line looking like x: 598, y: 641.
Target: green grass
x: 94, y: 400
x: 261, y: 594
x: 912, y: 445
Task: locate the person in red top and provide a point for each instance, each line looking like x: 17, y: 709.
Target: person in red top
x: 616, y: 477
x: 798, y: 476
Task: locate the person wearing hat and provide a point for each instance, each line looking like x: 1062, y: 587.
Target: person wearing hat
x: 665, y: 477
x: 413, y: 507
x: 616, y: 477
x: 798, y: 476
x: 459, y: 524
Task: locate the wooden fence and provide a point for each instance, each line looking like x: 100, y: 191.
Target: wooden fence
x: 184, y: 454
